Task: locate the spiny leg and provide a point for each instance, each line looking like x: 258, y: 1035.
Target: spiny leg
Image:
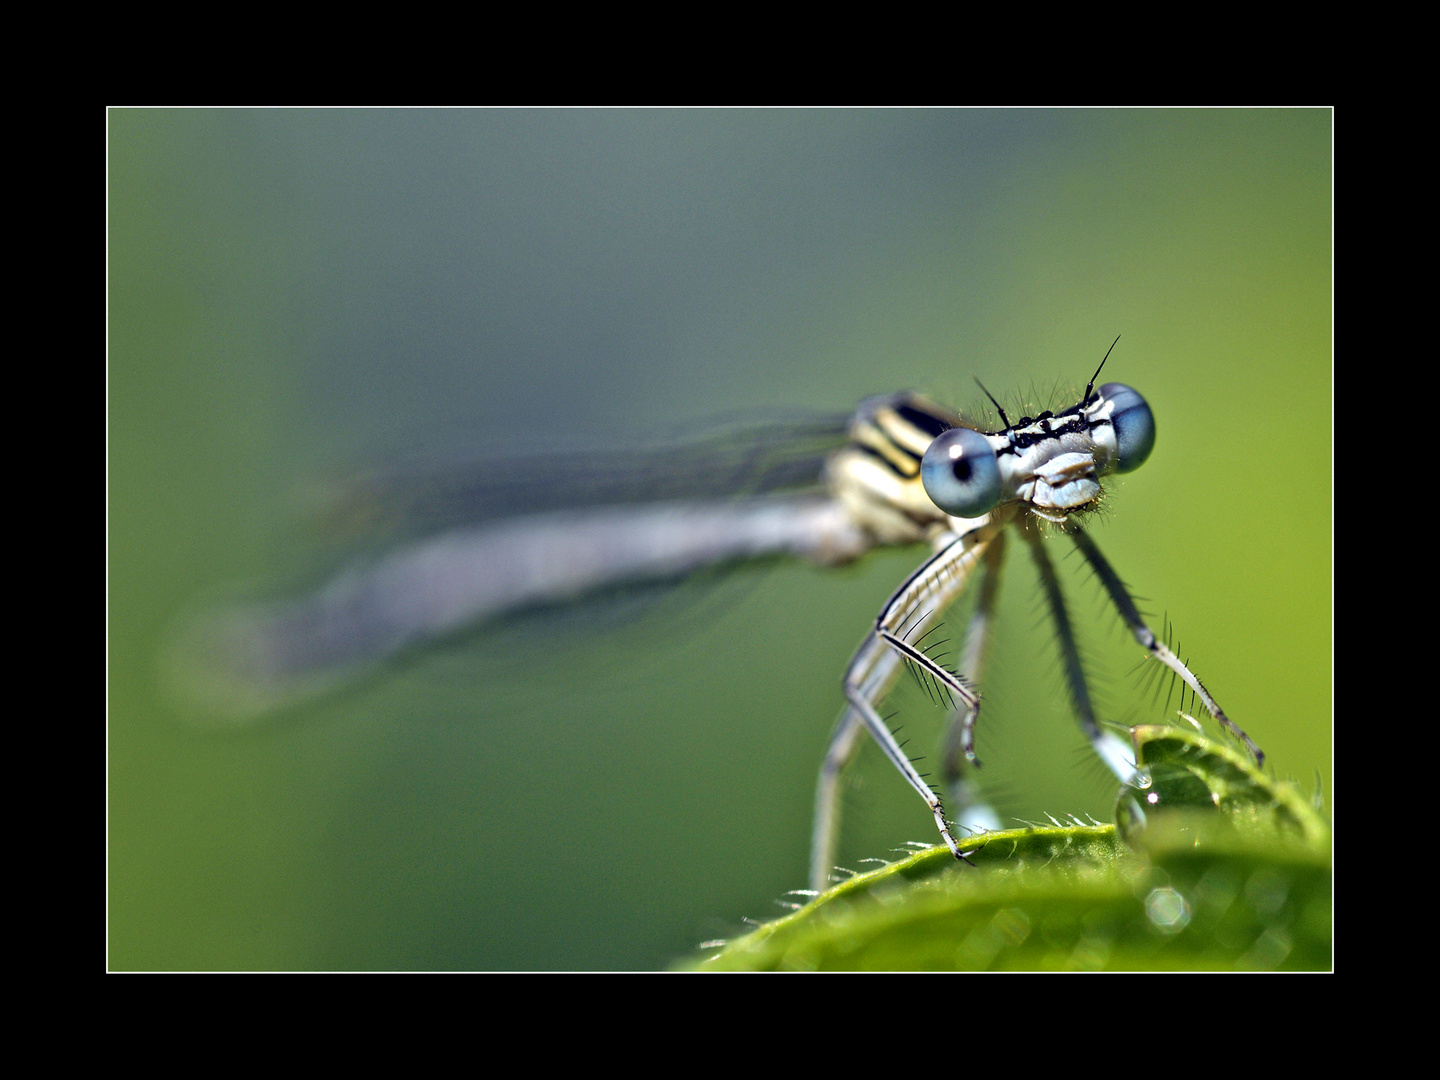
x: 825, y: 832
x: 1120, y: 597
x: 877, y: 667
x: 874, y: 668
x: 1111, y: 750
x: 880, y: 731
x: 899, y: 630
x: 968, y: 810
x: 873, y: 671
x: 919, y: 603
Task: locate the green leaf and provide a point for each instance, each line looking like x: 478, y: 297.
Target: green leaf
x: 1184, y: 771
x: 1214, y: 866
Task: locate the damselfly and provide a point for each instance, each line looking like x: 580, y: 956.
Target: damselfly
x: 906, y: 472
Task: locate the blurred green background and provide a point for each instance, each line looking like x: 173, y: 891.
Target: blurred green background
x: 296, y: 291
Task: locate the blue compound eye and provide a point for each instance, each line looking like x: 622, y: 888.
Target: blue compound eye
x: 961, y: 474
x: 1134, y: 426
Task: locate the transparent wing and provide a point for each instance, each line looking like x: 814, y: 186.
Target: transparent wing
x: 429, y: 495
x: 455, y: 544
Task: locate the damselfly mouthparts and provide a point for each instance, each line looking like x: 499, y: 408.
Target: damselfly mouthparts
x: 906, y: 472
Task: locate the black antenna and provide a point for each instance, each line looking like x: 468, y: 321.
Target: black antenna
x: 1108, y: 351
x: 1004, y: 419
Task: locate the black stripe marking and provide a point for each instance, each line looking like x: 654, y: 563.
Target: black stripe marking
x: 927, y: 422
x: 1022, y: 440
x: 878, y: 456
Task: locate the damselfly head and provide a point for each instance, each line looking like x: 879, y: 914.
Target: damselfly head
x: 1052, y: 462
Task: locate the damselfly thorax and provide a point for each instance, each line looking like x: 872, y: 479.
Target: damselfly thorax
x: 906, y: 472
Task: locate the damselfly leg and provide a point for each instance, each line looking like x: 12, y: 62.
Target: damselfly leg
x: 1153, y: 645
x: 900, y: 629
